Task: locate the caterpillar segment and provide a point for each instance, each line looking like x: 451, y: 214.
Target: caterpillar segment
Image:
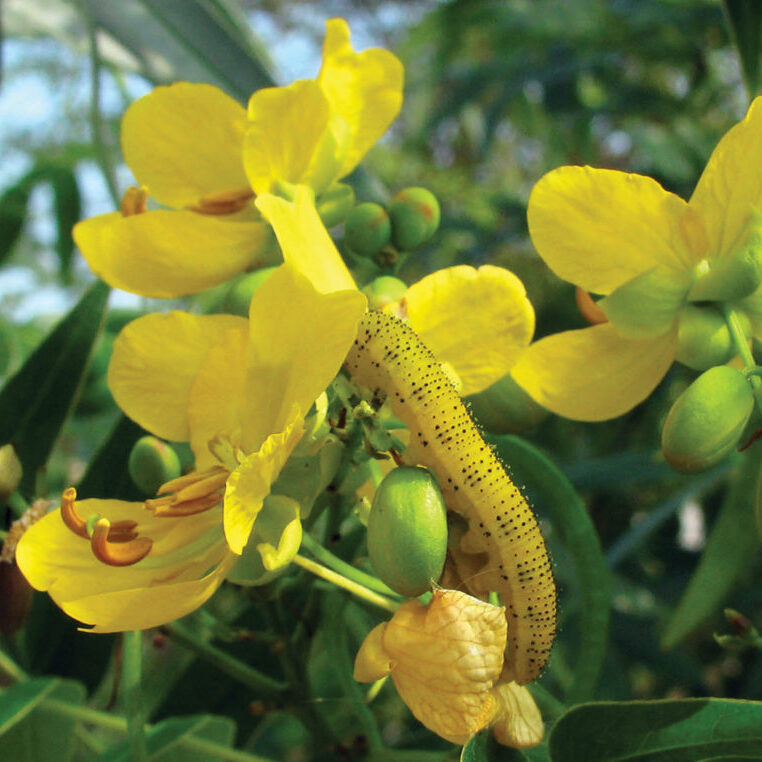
x: 499, y: 546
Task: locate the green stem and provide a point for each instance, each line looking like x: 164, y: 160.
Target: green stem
x: 226, y: 663
x: 120, y: 725
x: 741, y: 342
x: 337, y: 579
x: 10, y: 667
x: 342, y: 567
x: 132, y: 655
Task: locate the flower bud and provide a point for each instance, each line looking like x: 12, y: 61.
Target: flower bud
x: 10, y: 471
x: 723, y: 279
x: 238, y: 298
x: 152, y: 463
x: 384, y: 290
x: 703, y: 337
x: 707, y: 420
x: 415, y: 217
x: 505, y: 408
x: 367, y: 229
x: 407, y: 531
x: 335, y: 203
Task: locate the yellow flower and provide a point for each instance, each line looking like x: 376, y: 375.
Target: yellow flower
x: 238, y: 391
x: 312, y: 133
x: 476, y: 321
x: 446, y: 659
x: 651, y: 254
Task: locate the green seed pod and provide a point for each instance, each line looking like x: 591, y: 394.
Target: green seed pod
x: 152, y: 463
x: 703, y: 338
x: 367, y: 229
x: 407, y: 531
x: 238, y: 298
x: 335, y: 203
x: 707, y: 420
x: 384, y: 290
x: 505, y: 408
x: 415, y: 217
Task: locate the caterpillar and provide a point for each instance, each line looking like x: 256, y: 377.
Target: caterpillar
x: 502, y: 548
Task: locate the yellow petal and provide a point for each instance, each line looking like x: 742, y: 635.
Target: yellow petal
x: 278, y: 532
x: 372, y: 662
x: 287, y: 137
x: 477, y: 320
x: 364, y: 90
x: 731, y: 184
x: 299, y: 339
x: 598, y: 228
x: 519, y: 722
x: 593, y: 374
x: 446, y: 658
x: 216, y: 402
x: 146, y: 607
x: 305, y: 242
x: 166, y: 254
x: 184, y: 141
x: 154, y: 365
x: 250, y: 483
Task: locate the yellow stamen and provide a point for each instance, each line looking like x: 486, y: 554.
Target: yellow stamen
x: 166, y: 507
x: 588, y: 308
x: 224, y: 202
x: 117, y: 554
x: 182, y: 482
x: 134, y: 201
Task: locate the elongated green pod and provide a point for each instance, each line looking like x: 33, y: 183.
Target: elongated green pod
x: 503, y: 543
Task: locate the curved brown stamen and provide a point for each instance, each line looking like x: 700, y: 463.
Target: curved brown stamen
x: 69, y: 513
x: 117, y: 554
x: 588, y: 308
x: 122, y: 531
x: 224, y: 202
x: 134, y: 201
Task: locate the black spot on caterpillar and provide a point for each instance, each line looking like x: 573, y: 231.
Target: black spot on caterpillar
x: 503, y: 549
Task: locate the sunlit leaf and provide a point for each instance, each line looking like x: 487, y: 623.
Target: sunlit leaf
x: 689, y: 730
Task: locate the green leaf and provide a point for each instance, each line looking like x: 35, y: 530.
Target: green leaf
x: 13, y: 203
x: 549, y: 488
x: 729, y: 551
x: 745, y: 21
x: 36, y: 401
x: 164, y: 741
x: 689, y: 730
x: 199, y: 40
x: 31, y: 731
x: 68, y: 209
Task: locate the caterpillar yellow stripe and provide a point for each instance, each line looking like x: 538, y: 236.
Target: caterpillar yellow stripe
x: 503, y: 549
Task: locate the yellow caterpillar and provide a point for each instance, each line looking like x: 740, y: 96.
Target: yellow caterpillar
x: 503, y: 549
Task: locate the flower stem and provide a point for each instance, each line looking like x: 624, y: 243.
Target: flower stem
x: 226, y: 663
x: 741, y: 342
x: 353, y: 587
x: 342, y: 567
x: 132, y: 655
